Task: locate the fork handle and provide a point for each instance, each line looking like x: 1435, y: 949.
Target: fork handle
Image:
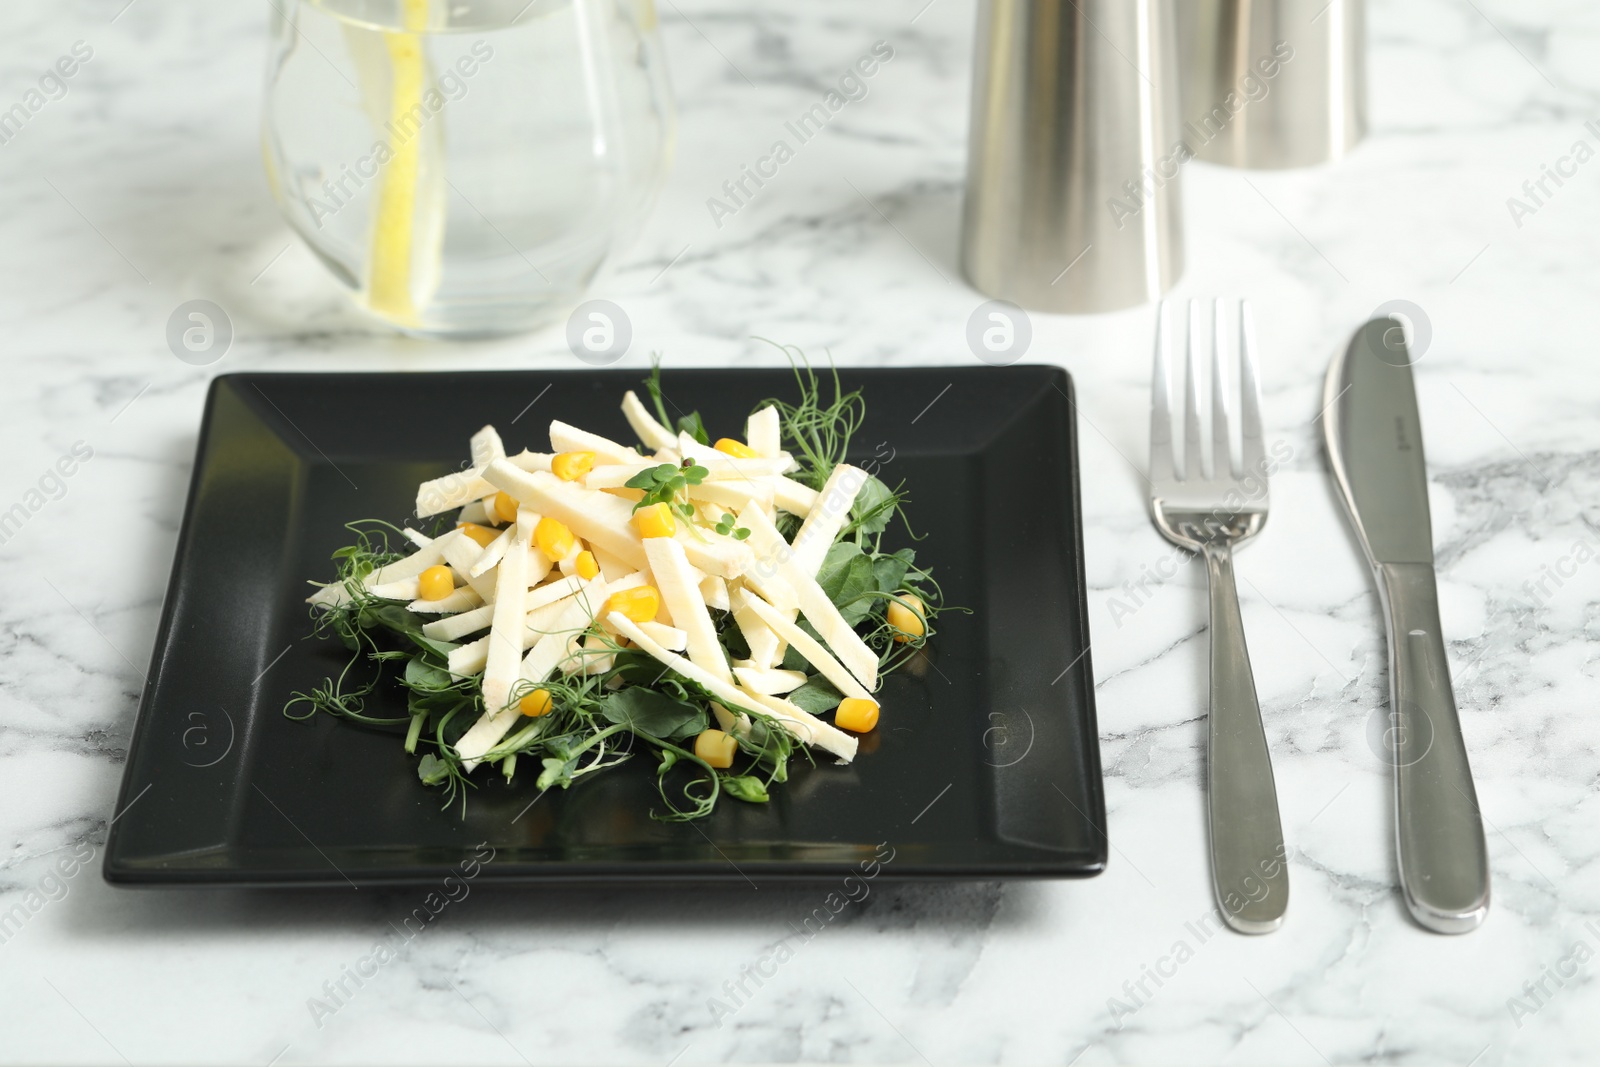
x: 1444, y: 862
x: 1249, y: 869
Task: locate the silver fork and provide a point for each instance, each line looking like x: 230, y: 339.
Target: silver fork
x: 1209, y: 508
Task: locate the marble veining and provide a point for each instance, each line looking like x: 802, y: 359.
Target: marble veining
x: 142, y: 188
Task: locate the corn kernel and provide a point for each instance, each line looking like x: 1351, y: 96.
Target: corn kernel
x: 536, y: 703
x: 570, y: 466
x: 736, y: 449
x: 639, y: 603
x: 856, y: 714
x: 481, y: 534
x: 505, y: 507
x: 553, y: 539
x: 586, y: 566
x: 655, y: 521
x: 436, y: 583
x: 716, y: 748
x: 907, y: 619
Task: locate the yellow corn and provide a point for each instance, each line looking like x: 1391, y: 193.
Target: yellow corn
x: 587, y: 567
x: 481, y: 534
x: 553, y: 539
x: 655, y: 521
x: 856, y: 714
x: 716, y: 748
x: 505, y: 507
x: 570, y: 466
x: 639, y: 603
x: 736, y: 449
x: 436, y: 583
x: 536, y: 703
x: 908, y: 620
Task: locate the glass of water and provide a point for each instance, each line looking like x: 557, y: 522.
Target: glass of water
x: 466, y: 167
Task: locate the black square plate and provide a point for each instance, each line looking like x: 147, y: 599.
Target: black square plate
x: 985, y: 765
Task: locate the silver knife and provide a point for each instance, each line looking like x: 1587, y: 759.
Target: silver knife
x: 1374, y: 443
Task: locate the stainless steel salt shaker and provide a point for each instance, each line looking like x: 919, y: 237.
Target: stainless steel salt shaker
x: 1072, y: 201
x: 1273, y: 83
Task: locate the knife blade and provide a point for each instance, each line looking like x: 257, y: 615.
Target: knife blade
x: 1374, y: 442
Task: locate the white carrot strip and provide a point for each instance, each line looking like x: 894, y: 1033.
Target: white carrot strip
x: 733, y: 493
x: 451, y: 491
x: 602, y: 520
x: 807, y: 728
x: 462, y: 553
x: 545, y: 655
x: 726, y: 722
x: 463, y: 598
x: 819, y: 611
x: 331, y: 595
x: 596, y: 658
x: 793, y: 497
x: 714, y: 591
x: 417, y: 537
x: 827, y: 517
x: 680, y: 591
x: 414, y: 564
x: 403, y: 589
x: 808, y: 647
x: 505, y: 632
x: 542, y: 620
x: 611, y: 567
x: 493, y: 552
x: 456, y: 627
x: 669, y: 637
x: 651, y: 433
x: 788, y: 713
x: 558, y: 590
x: 766, y: 647
x: 766, y: 575
x: 770, y: 682
x: 487, y: 447
x: 616, y: 475
x: 474, y: 512
x: 763, y: 432
x: 557, y: 645
x: 712, y: 553
x: 470, y: 658
x: 566, y: 438
x: 531, y: 461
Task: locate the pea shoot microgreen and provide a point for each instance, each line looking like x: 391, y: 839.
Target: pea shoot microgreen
x: 668, y: 484
x: 729, y: 526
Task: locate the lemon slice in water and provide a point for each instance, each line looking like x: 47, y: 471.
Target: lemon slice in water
x: 391, y: 285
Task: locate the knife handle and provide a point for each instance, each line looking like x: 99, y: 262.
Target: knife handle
x: 1249, y: 868
x: 1444, y: 862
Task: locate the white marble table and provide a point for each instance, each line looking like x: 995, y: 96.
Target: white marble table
x: 142, y: 188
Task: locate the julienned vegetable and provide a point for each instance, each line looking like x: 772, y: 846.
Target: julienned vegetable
x: 708, y: 604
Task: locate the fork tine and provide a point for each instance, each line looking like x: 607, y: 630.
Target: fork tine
x: 1191, y: 400
x: 1221, y: 445
x: 1254, y: 454
x: 1162, y: 465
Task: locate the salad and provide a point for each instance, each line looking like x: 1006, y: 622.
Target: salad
x: 719, y: 605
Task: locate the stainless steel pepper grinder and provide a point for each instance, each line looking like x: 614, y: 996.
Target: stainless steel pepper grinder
x: 1074, y: 152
